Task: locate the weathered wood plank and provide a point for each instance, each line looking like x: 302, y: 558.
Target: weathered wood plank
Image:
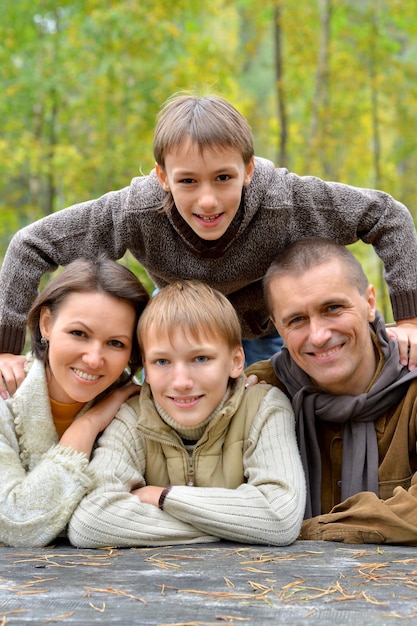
x: 307, y: 583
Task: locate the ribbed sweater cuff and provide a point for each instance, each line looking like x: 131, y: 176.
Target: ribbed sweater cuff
x: 404, y: 305
x: 12, y: 340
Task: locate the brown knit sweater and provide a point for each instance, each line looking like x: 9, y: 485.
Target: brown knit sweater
x: 277, y: 207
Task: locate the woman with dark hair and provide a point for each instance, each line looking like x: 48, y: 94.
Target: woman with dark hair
x: 84, y: 351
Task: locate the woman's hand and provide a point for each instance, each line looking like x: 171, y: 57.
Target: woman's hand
x: 83, y: 432
x: 12, y: 373
x: 102, y: 413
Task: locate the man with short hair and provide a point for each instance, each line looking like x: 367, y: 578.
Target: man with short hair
x: 355, y: 404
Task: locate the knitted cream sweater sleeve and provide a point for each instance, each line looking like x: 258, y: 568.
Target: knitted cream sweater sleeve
x: 109, y: 514
x: 36, y: 505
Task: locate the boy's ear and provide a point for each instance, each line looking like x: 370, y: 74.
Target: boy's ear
x: 162, y: 177
x: 250, y: 168
x: 238, y: 362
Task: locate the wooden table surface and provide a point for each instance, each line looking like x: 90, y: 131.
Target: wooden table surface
x: 309, y: 583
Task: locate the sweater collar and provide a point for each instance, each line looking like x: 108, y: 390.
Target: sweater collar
x: 33, y: 418
x: 31, y: 408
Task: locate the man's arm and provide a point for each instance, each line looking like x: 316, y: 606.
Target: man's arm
x: 262, y: 371
x: 364, y: 518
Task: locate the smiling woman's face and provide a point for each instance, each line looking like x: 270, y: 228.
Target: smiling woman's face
x: 90, y: 342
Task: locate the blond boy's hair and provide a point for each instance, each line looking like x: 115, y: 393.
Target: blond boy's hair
x: 193, y: 307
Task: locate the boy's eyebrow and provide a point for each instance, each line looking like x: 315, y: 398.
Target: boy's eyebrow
x: 190, y: 173
x: 155, y: 351
x: 162, y: 351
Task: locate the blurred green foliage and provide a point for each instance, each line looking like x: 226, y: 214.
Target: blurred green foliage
x: 82, y: 82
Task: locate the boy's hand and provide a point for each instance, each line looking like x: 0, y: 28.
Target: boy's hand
x: 251, y: 381
x: 405, y: 332
x: 148, y: 494
x: 12, y: 373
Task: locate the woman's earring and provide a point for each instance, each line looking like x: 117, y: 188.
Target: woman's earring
x: 44, y: 341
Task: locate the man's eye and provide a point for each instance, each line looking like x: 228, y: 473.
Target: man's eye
x: 296, y: 320
x: 187, y: 181
x: 223, y: 177
x: 201, y: 359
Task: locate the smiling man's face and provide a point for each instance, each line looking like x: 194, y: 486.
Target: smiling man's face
x: 324, y: 321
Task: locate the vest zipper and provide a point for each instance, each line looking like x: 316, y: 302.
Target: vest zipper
x: 190, y: 457
x: 190, y: 470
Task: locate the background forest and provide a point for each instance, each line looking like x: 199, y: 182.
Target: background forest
x: 328, y: 86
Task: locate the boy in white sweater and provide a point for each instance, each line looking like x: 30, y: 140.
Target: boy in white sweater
x: 196, y: 457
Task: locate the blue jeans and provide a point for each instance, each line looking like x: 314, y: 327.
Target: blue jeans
x: 262, y: 348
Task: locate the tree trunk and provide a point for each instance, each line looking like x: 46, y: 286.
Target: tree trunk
x: 383, y: 303
x: 279, y: 85
x: 319, y: 129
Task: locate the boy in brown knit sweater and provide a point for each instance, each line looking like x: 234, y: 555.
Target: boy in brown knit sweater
x: 213, y: 212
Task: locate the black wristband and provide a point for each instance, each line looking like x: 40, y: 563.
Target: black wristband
x: 162, y: 497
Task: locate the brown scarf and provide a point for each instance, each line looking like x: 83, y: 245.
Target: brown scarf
x: 356, y: 413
